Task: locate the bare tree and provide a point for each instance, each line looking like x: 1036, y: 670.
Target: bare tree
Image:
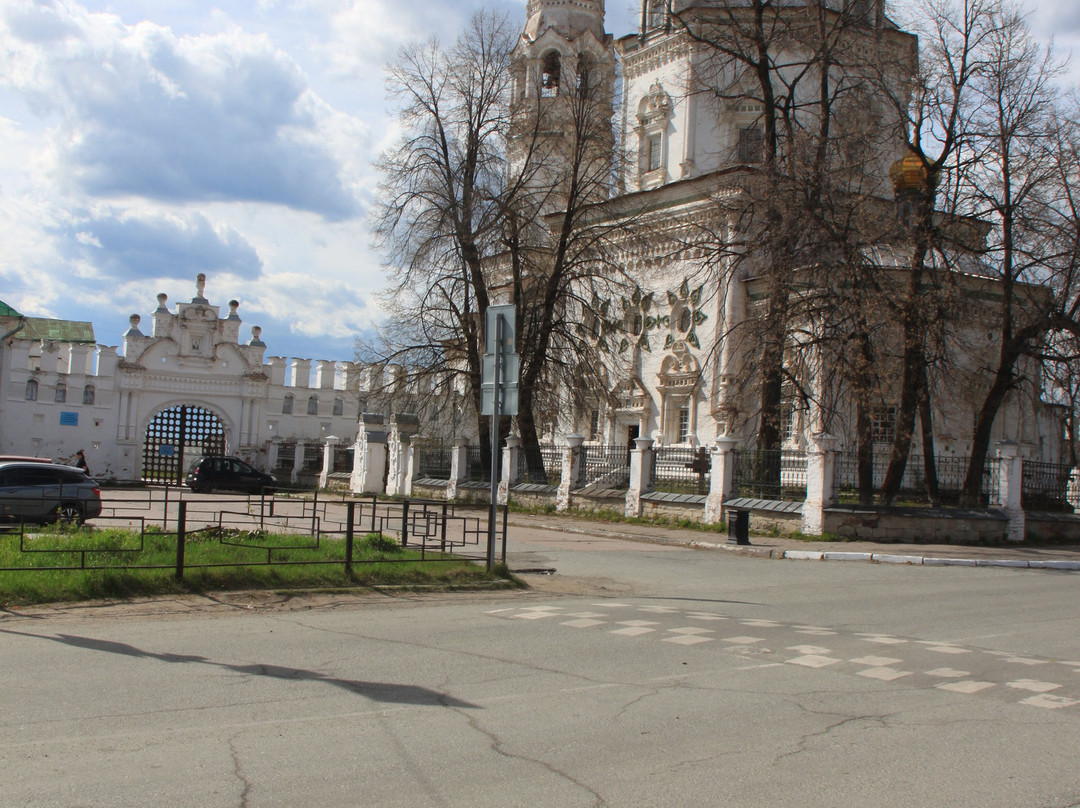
x: 803, y: 67
x: 493, y: 194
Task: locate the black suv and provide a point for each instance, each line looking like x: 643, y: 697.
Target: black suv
x: 228, y: 474
x: 43, y: 492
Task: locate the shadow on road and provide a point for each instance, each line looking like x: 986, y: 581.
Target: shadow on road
x: 386, y: 692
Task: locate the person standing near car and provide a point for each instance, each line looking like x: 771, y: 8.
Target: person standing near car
x: 80, y: 462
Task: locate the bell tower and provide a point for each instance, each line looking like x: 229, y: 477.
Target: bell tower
x: 563, y: 72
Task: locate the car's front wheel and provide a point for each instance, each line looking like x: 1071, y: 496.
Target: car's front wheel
x: 69, y: 513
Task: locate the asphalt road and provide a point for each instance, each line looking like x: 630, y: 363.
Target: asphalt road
x: 635, y: 675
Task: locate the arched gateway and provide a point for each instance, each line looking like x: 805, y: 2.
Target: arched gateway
x: 176, y: 438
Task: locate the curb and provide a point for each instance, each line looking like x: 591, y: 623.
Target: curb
x: 753, y: 551
x: 891, y: 558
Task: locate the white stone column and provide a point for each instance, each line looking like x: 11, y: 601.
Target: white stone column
x: 369, y: 456
x: 298, y: 461
x: 573, y: 469
x: 1010, y: 489
x: 641, y: 467
x: 328, y: 459
x: 721, y: 478
x: 272, y: 454
x: 820, y: 470
x: 509, y: 479
x: 459, y: 467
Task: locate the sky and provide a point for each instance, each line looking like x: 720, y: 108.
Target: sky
x: 143, y: 142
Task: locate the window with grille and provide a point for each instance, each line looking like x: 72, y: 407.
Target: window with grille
x: 339, y: 406
x: 751, y: 145
x: 654, y: 152
x: 313, y: 405
x: 883, y: 424
x: 60, y: 395
x: 88, y: 394
x: 287, y: 405
x: 684, y: 424
x: 31, y: 390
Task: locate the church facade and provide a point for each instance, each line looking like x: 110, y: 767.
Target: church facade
x: 689, y: 138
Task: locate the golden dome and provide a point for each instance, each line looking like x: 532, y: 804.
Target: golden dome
x: 908, y: 173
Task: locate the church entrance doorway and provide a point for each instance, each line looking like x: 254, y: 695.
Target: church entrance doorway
x: 177, y: 438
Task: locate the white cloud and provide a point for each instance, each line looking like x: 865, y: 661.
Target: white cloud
x: 143, y: 112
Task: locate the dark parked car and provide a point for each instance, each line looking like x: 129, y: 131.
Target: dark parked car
x: 228, y: 474
x: 43, y: 492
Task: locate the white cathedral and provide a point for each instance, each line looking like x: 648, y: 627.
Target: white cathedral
x: 684, y: 378
x: 691, y: 134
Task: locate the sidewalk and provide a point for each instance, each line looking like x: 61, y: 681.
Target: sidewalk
x: 1058, y: 557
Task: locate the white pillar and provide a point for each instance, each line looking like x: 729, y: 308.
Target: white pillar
x: 1010, y: 489
x: 459, y: 467
x: 820, y: 470
x: 721, y: 478
x: 509, y: 479
x: 328, y: 460
x: 641, y: 466
x: 573, y: 468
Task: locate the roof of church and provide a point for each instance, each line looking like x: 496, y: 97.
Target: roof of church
x: 7, y: 311
x: 57, y: 330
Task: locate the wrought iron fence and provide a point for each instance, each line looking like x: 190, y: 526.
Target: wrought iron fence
x: 779, y: 474
x: 951, y: 471
x: 681, y: 470
x: 259, y: 530
x: 607, y: 466
x: 313, y: 454
x: 477, y: 465
x: 434, y: 462
x: 286, y: 457
x: 550, y: 474
x: 343, y: 460
x: 1046, y: 486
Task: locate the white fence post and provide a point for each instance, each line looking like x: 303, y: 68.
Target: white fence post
x: 820, y: 469
x: 641, y: 467
x: 573, y: 468
x: 721, y: 478
x: 1010, y: 489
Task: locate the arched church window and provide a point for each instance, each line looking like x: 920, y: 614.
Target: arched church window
x: 287, y: 405
x: 550, y: 75
x: 339, y: 406
x: 60, y: 395
x: 31, y: 390
x: 313, y: 405
x: 88, y: 394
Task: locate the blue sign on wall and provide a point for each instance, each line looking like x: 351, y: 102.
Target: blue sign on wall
x: 69, y: 418
x: 166, y: 450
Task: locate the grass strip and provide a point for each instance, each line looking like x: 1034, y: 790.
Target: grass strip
x: 130, y: 564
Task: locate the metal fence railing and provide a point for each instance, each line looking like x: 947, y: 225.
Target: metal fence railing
x: 607, y: 466
x: 1046, y: 486
x: 550, y: 474
x: 778, y: 475
x: 477, y: 465
x: 172, y: 529
x: 951, y: 471
x: 434, y: 462
x: 681, y: 470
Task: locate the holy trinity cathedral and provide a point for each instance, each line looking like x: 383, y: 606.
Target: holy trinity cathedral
x: 685, y: 140
x: 687, y: 133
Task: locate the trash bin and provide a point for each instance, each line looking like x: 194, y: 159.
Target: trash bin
x: 738, y: 526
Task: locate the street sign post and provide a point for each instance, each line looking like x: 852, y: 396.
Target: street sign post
x: 500, y: 371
